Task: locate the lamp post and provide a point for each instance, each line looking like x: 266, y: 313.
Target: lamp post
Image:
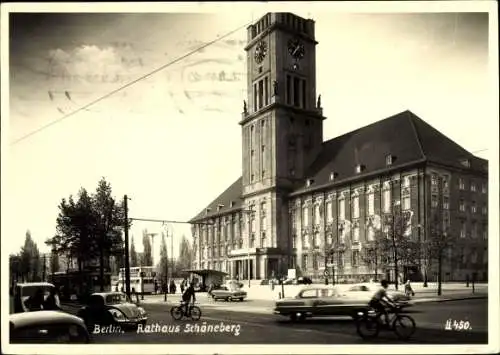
x: 249, y: 213
x: 152, y: 235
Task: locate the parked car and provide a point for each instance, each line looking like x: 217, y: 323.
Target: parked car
x: 304, y: 280
x: 47, y: 327
x: 112, y: 308
x: 228, y: 293
x: 364, y: 292
x: 25, y: 292
x: 317, y: 301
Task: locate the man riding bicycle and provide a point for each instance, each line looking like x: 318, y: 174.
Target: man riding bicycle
x: 187, y: 295
x: 380, y: 300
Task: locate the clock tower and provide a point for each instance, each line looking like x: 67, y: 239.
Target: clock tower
x: 282, y: 131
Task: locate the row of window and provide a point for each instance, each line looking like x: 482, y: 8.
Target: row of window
x: 473, y: 230
x: 261, y: 93
x: 222, y: 250
x: 461, y: 184
x: 462, y: 205
x: 355, y: 205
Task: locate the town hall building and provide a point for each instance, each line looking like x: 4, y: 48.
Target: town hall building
x: 312, y: 205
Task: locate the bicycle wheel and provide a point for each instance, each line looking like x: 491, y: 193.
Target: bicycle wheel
x: 404, y: 326
x: 367, y: 327
x: 176, y: 312
x: 195, y: 313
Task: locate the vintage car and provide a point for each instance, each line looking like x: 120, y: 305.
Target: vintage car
x: 47, y: 327
x: 24, y: 292
x: 112, y: 308
x: 317, y: 301
x: 228, y: 293
x: 364, y: 292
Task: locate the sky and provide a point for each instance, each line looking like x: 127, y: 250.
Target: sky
x: 172, y: 142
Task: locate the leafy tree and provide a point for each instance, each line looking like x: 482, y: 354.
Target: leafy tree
x: 185, y: 259
x: 374, y: 254
x: 133, y: 254
x: 29, y: 260
x: 54, y: 262
x: 146, y: 259
x: 14, y: 268
x: 163, y: 265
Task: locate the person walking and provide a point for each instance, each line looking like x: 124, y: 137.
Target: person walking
x: 408, y: 290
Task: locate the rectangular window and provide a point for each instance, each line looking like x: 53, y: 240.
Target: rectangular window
x: 371, y: 234
x: 303, y: 93
x: 484, y: 189
x: 296, y: 90
x: 355, y: 257
x: 446, y: 203
x: 255, y: 97
x: 316, y: 240
x: 304, y: 262
x: 473, y: 230
x: 387, y: 201
x: 305, y: 217
x: 341, y: 259
x: 371, y: 204
x: 434, y: 201
x: 473, y: 207
x: 342, y: 209
x: 288, y: 90
x: 266, y: 91
x: 355, y: 234
x: 406, y: 181
x: 434, y: 179
x: 317, y: 217
x: 445, y: 182
x: 462, y: 206
x: 461, y: 184
x: 329, y: 212
x: 473, y: 187
x: 463, y: 230
x: 485, y: 209
x: 294, y: 241
x: 261, y: 93
x: 355, y: 207
x: 406, y: 203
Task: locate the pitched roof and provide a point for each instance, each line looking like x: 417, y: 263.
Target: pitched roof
x: 406, y: 137
x: 231, y: 194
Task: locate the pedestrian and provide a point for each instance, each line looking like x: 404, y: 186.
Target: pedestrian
x: 183, y: 284
x: 173, y: 287
x: 408, y: 290
x: 51, y: 303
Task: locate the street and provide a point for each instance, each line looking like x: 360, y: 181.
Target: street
x: 242, y: 327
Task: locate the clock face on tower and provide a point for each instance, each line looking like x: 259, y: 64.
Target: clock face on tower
x: 296, y: 49
x: 260, y: 52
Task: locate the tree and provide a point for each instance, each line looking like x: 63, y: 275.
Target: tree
x: 163, y: 269
x: 110, y: 220
x: 375, y: 252
x: 54, y: 262
x: 185, y: 259
x: 14, y: 268
x: 401, y: 248
x: 133, y: 254
x: 29, y: 260
x: 146, y: 259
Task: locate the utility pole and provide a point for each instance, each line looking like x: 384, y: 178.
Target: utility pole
x: 127, y: 262
x: 44, y: 266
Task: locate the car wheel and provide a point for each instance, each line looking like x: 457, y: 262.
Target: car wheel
x: 241, y: 299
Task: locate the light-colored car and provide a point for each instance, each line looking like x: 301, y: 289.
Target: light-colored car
x: 364, y: 292
x: 228, y: 293
x: 24, y: 292
x: 111, y: 308
x: 47, y: 327
x: 318, y: 301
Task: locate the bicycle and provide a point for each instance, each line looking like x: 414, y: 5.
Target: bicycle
x: 178, y: 312
x: 369, y: 323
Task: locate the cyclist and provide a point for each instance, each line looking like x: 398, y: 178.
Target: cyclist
x: 187, y: 295
x: 380, y: 300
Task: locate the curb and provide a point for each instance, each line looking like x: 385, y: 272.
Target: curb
x: 451, y: 299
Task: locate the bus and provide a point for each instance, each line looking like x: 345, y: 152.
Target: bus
x: 142, y: 280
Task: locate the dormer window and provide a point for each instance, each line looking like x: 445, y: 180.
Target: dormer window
x: 389, y: 160
x: 359, y: 168
x: 207, y: 211
x: 219, y: 207
x: 309, y: 182
x: 231, y: 204
x: 333, y: 175
x: 465, y: 163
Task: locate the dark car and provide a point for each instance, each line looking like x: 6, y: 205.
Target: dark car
x: 318, y: 301
x: 304, y: 281
x: 47, y: 327
x: 111, y: 308
x: 25, y: 293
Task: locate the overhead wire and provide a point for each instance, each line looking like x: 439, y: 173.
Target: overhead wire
x: 147, y: 75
